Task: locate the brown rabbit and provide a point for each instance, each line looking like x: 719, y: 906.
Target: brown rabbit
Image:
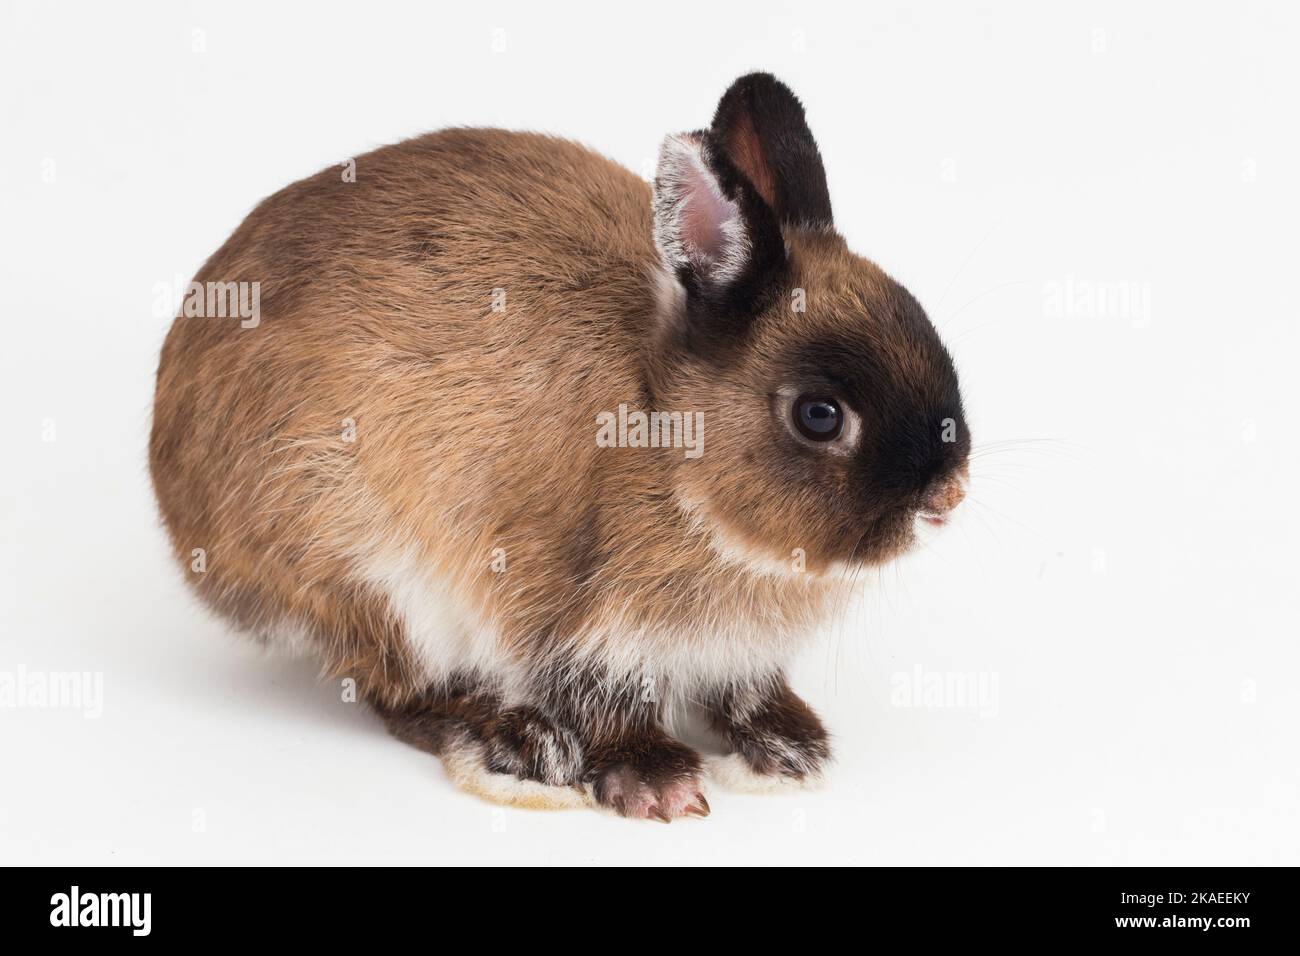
x: 538, y: 456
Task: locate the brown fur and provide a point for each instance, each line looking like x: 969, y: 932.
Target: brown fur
x: 475, y: 431
x: 383, y: 337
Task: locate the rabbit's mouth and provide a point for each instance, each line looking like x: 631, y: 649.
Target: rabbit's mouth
x: 942, y: 498
x: 907, y: 526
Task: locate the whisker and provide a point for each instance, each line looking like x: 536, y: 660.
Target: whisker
x: 962, y: 268
x: 986, y: 292
x: 1004, y: 516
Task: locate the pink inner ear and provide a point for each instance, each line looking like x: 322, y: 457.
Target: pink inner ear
x: 704, y: 214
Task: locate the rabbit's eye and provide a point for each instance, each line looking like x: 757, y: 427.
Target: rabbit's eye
x: 818, y: 419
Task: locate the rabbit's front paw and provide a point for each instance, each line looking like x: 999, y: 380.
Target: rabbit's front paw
x: 659, y: 781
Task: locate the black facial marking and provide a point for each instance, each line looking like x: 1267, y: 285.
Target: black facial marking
x: 903, y: 407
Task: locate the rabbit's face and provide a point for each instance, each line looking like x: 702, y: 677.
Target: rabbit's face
x: 833, y: 423
x: 832, y: 414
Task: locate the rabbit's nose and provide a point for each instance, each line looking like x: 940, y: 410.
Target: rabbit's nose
x: 941, y: 498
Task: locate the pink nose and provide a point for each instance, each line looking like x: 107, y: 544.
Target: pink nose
x: 941, y: 498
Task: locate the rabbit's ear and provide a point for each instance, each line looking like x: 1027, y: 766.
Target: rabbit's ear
x: 760, y: 125
x: 714, y: 232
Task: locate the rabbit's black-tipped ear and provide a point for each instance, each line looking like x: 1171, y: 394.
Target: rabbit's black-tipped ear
x: 761, y: 127
x: 715, y: 234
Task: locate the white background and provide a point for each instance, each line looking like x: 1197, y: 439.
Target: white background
x: 1128, y: 578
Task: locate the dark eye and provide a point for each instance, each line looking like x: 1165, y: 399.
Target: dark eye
x: 818, y: 419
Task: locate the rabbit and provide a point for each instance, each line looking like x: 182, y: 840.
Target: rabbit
x: 426, y: 462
